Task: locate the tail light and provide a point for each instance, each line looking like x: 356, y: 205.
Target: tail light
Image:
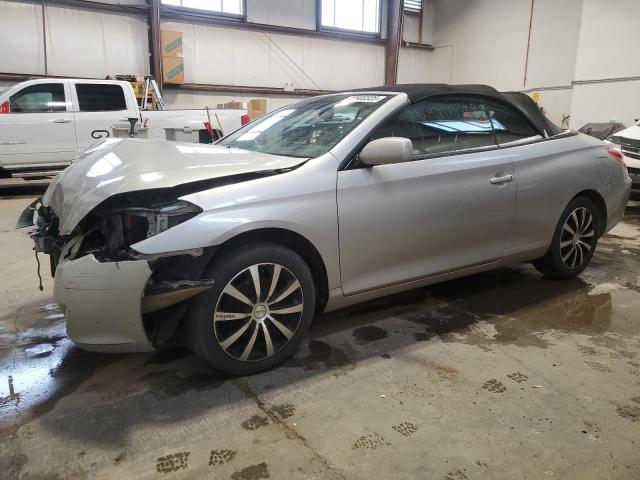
x: 4, y: 108
x: 616, y: 155
x: 244, y: 119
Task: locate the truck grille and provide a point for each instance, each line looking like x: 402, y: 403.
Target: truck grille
x: 631, y: 152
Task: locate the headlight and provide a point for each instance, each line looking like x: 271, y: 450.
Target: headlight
x: 141, y: 223
x: 172, y: 215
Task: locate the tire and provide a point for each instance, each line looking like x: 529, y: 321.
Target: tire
x: 570, y: 253
x: 241, y: 333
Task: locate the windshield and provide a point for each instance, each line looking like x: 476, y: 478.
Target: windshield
x: 306, y: 129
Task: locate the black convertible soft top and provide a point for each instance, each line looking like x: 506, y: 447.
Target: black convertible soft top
x: 518, y: 100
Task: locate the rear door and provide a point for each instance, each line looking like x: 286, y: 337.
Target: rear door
x: 448, y: 209
x: 38, y: 130
x: 97, y: 106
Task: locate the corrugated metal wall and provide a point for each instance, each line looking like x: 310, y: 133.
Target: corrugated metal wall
x: 85, y: 43
x: 226, y: 56
x: 79, y: 42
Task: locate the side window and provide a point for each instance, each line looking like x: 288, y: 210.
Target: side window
x: 39, y: 98
x: 509, y: 125
x: 100, y: 97
x: 441, y: 125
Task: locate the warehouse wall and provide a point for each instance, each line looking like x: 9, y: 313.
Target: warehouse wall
x: 94, y: 44
x: 485, y: 41
x: 607, y: 50
x: 228, y: 56
x: 79, y: 42
x: 479, y: 41
x: 21, y: 31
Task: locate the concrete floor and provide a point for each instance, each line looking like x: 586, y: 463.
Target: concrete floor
x: 503, y: 375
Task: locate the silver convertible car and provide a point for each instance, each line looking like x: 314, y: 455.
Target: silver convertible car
x: 233, y: 248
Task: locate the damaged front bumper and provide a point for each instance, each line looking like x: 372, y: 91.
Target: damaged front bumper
x: 115, y: 298
x: 102, y: 303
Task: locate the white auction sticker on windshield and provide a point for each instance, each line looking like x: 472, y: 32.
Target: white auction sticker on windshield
x: 365, y: 98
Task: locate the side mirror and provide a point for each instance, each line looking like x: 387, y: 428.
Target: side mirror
x: 384, y: 151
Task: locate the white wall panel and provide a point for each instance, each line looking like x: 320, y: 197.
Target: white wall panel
x: 554, y: 43
x: 414, y: 65
x: 94, y: 44
x: 489, y: 39
x: 219, y: 55
x: 607, y: 49
x: 608, y: 40
x: 605, y: 102
x: 336, y: 65
x: 21, y: 47
x: 425, y: 66
x: 286, y: 13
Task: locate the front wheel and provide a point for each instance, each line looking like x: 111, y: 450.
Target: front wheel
x: 258, y: 311
x: 574, y: 240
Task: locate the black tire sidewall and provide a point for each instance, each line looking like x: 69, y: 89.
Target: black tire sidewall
x: 201, y: 336
x: 560, y: 269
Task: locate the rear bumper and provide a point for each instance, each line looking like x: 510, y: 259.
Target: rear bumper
x: 102, y: 303
x: 617, y: 203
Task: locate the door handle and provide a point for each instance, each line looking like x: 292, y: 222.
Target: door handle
x: 61, y: 120
x: 502, y: 179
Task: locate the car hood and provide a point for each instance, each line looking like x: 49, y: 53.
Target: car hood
x: 628, y: 136
x: 116, y: 166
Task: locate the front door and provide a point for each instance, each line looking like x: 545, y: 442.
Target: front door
x: 39, y: 128
x: 448, y: 209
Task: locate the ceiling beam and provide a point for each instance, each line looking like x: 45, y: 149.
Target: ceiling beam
x: 94, y: 6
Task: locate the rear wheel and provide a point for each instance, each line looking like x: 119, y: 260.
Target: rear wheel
x: 574, y: 240
x: 258, y: 311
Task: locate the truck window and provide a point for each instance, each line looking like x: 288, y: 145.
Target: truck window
x: 39, y: 98
x: 100, y: 97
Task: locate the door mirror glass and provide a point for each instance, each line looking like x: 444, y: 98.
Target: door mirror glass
x: 384, y: 151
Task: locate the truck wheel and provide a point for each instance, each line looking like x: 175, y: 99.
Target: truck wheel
x: 574, y: 240
x: 258, y: 311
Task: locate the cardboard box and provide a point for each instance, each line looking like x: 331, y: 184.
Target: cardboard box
x: 257, y: 108
x: 231, y: 106
x: 171, y: 43
x: 172, y: 70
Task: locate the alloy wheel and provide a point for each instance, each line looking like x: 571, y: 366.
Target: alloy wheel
x: 577, y: 238
x: 258, y: 312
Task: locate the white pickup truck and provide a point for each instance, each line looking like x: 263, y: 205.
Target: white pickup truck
x: 47, y: 123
